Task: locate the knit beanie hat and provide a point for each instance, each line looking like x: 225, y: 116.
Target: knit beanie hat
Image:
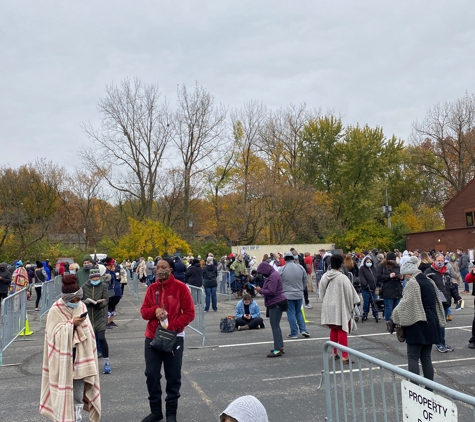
x: 410, y: 266
x: 87, y: 258
x: 94, y: 273
x: 246, y: 409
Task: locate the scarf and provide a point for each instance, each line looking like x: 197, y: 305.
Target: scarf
x: 59, y: 370
x: 410, y: 309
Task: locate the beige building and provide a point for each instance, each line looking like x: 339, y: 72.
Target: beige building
x: 260, y: 250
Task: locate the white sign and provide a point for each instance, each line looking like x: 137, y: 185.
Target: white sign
x: 421, y: 405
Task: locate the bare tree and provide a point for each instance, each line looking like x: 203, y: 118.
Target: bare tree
x: 247, y: 124
x: 130, y: 141
x: 199, y: 129
x: 446, y: 142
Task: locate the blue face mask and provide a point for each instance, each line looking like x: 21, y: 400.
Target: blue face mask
x: 369, y: 264
x: 95, y: 283
x: 72, y: 272
x: 72, y: 304
x: 439, y: 264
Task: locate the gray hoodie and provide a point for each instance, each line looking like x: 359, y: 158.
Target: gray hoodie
x: 294, y: 279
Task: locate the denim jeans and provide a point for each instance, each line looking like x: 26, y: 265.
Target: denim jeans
x: 463, y: 273
x: 389, y: 305
x: 295, y: 317
x: 366, y: 302
x: 211, y: 294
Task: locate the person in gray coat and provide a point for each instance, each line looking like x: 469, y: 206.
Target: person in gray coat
x: 294, y: 279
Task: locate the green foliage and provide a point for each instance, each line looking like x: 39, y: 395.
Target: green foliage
x: 369, y: 234
x: 204, y: 248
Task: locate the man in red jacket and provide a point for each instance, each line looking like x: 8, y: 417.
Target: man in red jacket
x: 167, y: 302
x: 470, y: 278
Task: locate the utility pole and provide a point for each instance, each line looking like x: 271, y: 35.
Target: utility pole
x: 387, y: 209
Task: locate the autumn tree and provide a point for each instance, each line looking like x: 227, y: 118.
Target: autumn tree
x: 445, y: 142
x: 148, y: 238
x: 130, y: 141
x: 29, y: 200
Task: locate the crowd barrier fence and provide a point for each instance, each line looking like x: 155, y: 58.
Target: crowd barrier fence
x: 13, y: 319
x: 373, y: 390
x: 198, y: 324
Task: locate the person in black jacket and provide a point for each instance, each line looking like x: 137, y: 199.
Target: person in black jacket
x: 180, y: 269
x: 193, y: 275
x: 5, y: 281
x: 210, y: 283
x: 368, y: 281
x: 390, y: 279
x: 40, y: 278
x: 439, y: 274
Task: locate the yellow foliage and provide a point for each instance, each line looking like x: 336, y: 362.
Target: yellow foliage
x: 148, y: 238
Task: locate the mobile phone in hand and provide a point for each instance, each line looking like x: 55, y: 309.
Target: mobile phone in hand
x: 83, y: 315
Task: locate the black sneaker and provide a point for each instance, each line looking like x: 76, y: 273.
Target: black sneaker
x: 113, y: 324
x: 306, y: 334
x: 471, y: 345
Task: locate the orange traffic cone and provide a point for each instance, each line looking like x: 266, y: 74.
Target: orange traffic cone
x: 27, y: 331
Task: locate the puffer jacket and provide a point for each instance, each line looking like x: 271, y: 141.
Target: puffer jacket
x: 6, y: 280
x: 392, y: 287
x: 193, y: 275
x: 96, y: 313
x: 210, y: 276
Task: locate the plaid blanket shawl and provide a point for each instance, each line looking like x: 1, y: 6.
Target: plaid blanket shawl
x: 59, y: 370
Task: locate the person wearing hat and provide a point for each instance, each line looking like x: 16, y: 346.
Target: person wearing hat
x: 83, y: 274
x: 114, y: 290
x: 19, y: 279
x: 390, y: 280
x: 150, y: 270
x: 96, y: 298
x: 421, y: 314
x: 70, y: 376
x: 244, y: 409
x: 294, y: 280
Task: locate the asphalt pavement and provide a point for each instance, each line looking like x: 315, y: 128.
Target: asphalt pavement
x: 230, y: 365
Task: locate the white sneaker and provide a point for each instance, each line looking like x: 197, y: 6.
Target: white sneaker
x: 308, y: 306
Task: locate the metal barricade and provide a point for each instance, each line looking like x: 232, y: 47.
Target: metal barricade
x: 224, y: 283
x: 13, y: 319
x: 50, y: 292
x: 373, y: 390
x: 198, y: 324
x: 135, y: 285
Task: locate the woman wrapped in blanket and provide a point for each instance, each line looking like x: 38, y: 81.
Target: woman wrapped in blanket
x: 70, y: 379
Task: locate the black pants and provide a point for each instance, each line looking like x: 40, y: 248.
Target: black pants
x: 472, y: 339
x: 305, y: 296
x: 275, y: 315
x: 113, y: 302
x: 2, y: 296
x: 38, y: 295
x: 172, y: 368
x: 101, y: 339
x: 422, y: 352
x: 252, y: 323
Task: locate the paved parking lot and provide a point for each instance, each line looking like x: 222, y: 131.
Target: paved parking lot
x: 230, y: 365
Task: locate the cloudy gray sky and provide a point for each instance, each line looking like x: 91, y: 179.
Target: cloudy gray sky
x: 377, y: 62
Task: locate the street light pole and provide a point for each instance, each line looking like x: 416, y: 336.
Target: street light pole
x: 387, y: 209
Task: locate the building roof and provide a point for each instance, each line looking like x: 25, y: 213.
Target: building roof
x: 458, y: 193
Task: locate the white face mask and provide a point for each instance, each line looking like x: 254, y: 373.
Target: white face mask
x: 369, y: 264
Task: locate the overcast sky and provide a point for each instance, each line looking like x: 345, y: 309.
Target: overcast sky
x: 377, y: 62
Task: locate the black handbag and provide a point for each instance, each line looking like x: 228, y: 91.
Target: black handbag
x: 164, y: 340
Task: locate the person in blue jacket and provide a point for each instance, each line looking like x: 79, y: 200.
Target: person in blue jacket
x: 248, y: 314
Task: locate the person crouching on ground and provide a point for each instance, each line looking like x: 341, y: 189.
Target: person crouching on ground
x: 338, y: 300
x: 421, y: 314
x: 70, y: 379
x: 248, y: 314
